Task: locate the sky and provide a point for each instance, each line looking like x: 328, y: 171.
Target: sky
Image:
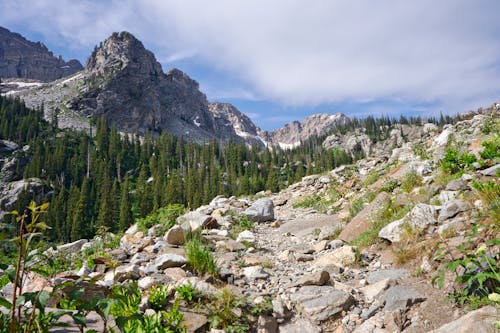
x: 282, y: 60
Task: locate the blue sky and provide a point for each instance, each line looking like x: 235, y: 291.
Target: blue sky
x: 282, y: 60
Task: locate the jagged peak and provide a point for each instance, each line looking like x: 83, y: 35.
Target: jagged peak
x: 178, y: 76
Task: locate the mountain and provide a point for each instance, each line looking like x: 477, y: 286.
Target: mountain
x: 292, y: 134
x: 21, y: 58
x: 123, y: 82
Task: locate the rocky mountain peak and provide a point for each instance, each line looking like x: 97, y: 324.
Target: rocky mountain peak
x: 21, y: 58
x: 120, y: 51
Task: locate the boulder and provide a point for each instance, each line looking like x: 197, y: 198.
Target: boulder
x: 194, y: 221
x: 246, y: 236
x: 419, y: 218
x: 314, y: 279
x: 362, y: 221
x: 320, y: 303
x: 127, y: 272
x: 383, y: 274
x: 255, y: 272
x: 300, y: 326
x: 452, y: 208
x: 491, y: 171
x: 175, y: 235
x: 132, y: 244
x: 169, y: 260
x: 400, y: 298
x: 342, y: 256
x: 480, y: 320
x: 261, y: 210
x: 457, y: 185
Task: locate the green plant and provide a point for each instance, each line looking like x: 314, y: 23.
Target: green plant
x: 382, y: 217
x: 489, y: 192
x: 410, y: 181
x: 477, y: 273
x: 264, y: 307
x: 454, y: 162
x: 200, y: 257
x: 356, y: 206
x: 165, y: 217
x: 221, y: 313
x: 187, y: 293
x: 240, y: 223
x: 158, y: 297
x: 371, y: 178
x: 389, y: 186
x: 491, y: 148
x: 421, y: 151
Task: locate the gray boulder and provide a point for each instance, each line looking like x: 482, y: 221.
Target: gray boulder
x: 480, y: 320
x: 452, y: 208
x: 195, y: 220
x: 175, y: 235
x: 320, y: 303
x: 169, y: 260
x: 401, y: 297
x: 261, y: 210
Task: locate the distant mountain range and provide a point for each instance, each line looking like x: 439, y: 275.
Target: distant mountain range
x: 123, y: 82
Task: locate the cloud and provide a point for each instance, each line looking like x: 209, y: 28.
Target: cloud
x: 446, y: 53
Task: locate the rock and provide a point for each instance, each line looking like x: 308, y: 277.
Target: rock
x: 491, y: 171
x: 255, y: 272
x: 362, y: 221
x: 145, y: 283
x: 169, y: 260
x: 320, y: 303
x: 335, y: 244
x: 175, y: 235
x: 299, y: 326
x: 71, y: 248
x: 418, y: 219
x: 22, y: 58
x: 446, y: 196
x: 31, y: 283
x: 195, y: 220
x: 127, y: 272
x: 457, y: 185
x: 267, y: 324
x: 195, y: 322
x: 234, y: 246
x: 132, y: 230
x: 84, y: 271
x: 401, y: 297
x: 319, y: 246
x: 343, y: 256
x: 452, y: 208
x: 480, y: 320
x: 430, y: 127
x: 383, y: 274
x: 313, y: 279
x: 132, y: 244
x: 372, y: 291
x: 261, y: 210
x: 246, y: 236
x: 9, y: 192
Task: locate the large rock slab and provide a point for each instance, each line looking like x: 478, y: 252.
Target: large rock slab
x: 452, y: 208
x: 194, y: 221
x: 127, y: 272
x: 480, y: 320
x: 362, y: 221
x: 401, y: 297
x: 261, y: 210
x: 320, y: 303
x: 383, y: 274
x: 169, y: 260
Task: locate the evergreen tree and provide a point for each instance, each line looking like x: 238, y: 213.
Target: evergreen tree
x: 126, y: 217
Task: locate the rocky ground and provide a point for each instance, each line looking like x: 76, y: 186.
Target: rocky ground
x: 306, y: 255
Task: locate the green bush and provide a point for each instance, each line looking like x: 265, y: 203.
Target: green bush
x: 410, y: 181
x: 221, y: 313
x: 200, y: 257
x: 356, y: 206
x: 453, y: 162
x: 491, y: 148
x: 158, y: 297
x: 187, y: 293
x: 240, y: 223
x: 165, y: 217
x: 389, y: 186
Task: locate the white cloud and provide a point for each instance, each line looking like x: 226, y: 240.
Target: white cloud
x: 303, y: 53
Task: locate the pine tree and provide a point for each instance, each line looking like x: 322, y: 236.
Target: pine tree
x: 126, y: 218
x: 105, y: 215
x: 80, y: 215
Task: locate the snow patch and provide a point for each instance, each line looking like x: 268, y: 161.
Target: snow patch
x: 70, y: 79
x: 286, y: 146
x: 196, y: 121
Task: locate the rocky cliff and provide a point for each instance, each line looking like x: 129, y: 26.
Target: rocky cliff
x: 21, y: 58
x: 292, y: 134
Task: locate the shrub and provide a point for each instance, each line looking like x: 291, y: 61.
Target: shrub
x: 164, y: 216
x: 221, y: 313
x: 240, y: 223
x: 187, y: 293
x: 200, y: 258
x: 389, y: 186
x: 158, y: 297
x: 453, y: 162
x: 410, y: 181
x: 356, y: 206
x: 491, y: 148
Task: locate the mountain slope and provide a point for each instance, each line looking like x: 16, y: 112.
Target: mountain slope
x: 21, y: 58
